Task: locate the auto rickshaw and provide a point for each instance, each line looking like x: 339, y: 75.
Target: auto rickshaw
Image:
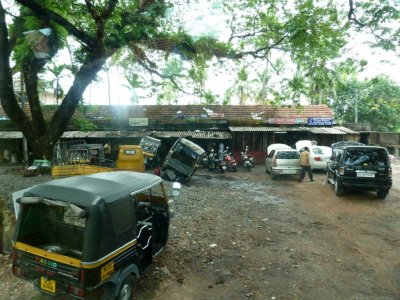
x: 84, y: 234
x: 182, y: 161
x: 150, y: 148
x: 130, y: 157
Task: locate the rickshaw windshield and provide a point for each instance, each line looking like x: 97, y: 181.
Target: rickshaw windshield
x: 155, y: 194
x: 52, y: 227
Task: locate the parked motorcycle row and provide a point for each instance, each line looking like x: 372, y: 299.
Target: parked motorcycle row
x: 225, y: 162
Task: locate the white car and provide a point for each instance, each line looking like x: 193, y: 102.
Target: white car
x: 277, y: 146
x: 319, y: 156
x: 305, y: 143
x: 282, y: 160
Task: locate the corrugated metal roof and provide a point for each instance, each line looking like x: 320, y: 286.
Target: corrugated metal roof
x: 68, y: 134
x: 197, y: 134
x: 221, y: 135
x: 11, y: 135
x: 266, y: 129
x: 103, y: 134
x: 157, y: 134
x: 340, y: 130
x: 347, y: 130
x: 326, y: 130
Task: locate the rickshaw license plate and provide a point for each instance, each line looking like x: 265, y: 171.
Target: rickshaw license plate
x: 48, y: 285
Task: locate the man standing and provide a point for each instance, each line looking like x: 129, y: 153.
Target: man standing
x: 305, y: 164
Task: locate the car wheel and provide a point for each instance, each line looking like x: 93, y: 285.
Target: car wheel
x: 381, y: 194
x: 126, y: 289
x: 338, y: 188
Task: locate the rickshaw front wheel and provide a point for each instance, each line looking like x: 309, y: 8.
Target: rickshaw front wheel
x: 126, y: 289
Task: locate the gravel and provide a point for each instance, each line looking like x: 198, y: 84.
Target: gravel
x: 12, y: 180
x: 244, y: 236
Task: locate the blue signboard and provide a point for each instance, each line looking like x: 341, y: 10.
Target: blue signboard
x: 320, y: 121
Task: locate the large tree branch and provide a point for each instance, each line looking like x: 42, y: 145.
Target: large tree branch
x: 42, y: 11
x: 109, y: 9
x: 150, y: 66
x: 7, y: 95
x: 91, y: 10
x: 65, y: 111
x: 100, y: 20
x: 351, y: 15
x: 31, y: 83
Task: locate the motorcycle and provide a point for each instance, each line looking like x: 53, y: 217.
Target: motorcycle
x: 248, y: 159
x: 214, y: 164
x: 231, y: 164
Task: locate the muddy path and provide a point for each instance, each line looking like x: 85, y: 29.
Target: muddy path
x: 264, y: 239
x: 243, y: 236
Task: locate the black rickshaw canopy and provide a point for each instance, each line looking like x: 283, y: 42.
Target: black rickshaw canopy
x: 86, y: 190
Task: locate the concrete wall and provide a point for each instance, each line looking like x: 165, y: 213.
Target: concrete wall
x: 389, y: 138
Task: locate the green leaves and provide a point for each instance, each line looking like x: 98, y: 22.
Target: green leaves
x: 377, y: 102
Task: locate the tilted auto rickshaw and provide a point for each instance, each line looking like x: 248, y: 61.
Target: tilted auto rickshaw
x: 78, y: 235
x: 182, y: 160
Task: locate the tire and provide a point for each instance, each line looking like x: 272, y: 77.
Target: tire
x: 381, y: 194
x: 339, y: 189
x: 126, y: 289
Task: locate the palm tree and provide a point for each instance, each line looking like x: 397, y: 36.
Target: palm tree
x: 56, y: 71
x: 241, y: 87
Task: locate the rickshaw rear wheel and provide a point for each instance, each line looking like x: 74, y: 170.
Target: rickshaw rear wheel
x: 126, y: 289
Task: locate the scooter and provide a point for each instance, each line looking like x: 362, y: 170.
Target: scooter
x: 214, y: 164
x: 248, y: 159
x: 231, y: 164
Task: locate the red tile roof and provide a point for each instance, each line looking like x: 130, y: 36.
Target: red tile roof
x: 227, y: 112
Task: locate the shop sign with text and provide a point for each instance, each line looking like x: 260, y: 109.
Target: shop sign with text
x: 138, y: 122
x: 320, y: 121
x: 287, y: 121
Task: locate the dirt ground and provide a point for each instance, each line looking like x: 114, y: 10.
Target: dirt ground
x: 244, y: 236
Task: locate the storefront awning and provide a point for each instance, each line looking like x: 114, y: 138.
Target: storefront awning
x: 266, y: 129
x: 326, y: 130
x: 103, y: 134
x: 315, y: 130
x: 197, y: 134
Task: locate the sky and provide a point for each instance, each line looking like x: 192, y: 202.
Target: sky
x: 205, y: 19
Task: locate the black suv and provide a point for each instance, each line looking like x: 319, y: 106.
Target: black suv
x: 360, y: 167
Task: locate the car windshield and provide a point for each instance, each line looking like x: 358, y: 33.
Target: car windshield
x: 185, y: 155
x: 287, y: 155
x: 366, y: 156
x: 317, y: 151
